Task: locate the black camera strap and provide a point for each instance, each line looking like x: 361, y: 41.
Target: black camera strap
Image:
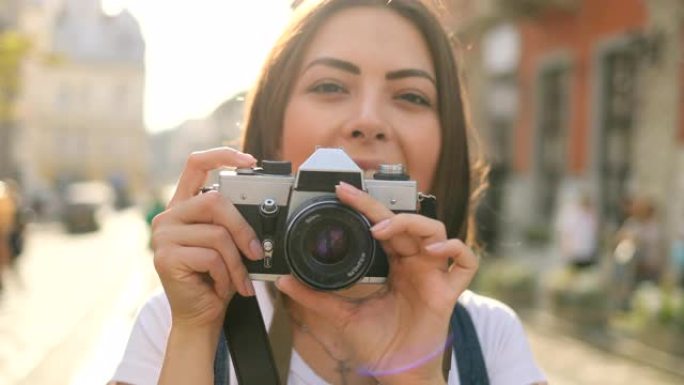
x: 248, y: 343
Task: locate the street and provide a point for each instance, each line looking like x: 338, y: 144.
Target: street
x: 69, y: 292
x: 569, y: 361
x: 66, y: 313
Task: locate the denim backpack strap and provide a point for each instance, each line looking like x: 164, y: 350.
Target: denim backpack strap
x: 221, y: 368
x: 471, y: 365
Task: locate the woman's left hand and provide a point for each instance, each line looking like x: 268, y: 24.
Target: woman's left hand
x: 399, y: 334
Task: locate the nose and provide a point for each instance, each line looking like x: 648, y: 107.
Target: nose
x: 368, y: 122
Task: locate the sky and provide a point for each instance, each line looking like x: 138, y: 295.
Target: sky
x: 200, y: 52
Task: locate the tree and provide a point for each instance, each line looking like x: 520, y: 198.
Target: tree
x: 13, y: 47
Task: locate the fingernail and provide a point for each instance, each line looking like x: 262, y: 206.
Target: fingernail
x: 435, y: 246
x: 257, y: 250
x: 249, y: 287
x: 349, y: 189
x: 246, y: 157
x: 381, y: 225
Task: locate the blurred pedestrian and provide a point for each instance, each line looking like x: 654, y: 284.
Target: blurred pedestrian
x: 677, y: 257
x: 7, y: 215
x: 154, y: 207
x: 643, y: 230
x: 577, y: 232
x: 22, y: 214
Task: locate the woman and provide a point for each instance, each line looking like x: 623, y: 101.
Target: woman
x: 7, y: 216
x: 377, y: 78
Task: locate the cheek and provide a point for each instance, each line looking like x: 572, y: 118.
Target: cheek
x: 296, y: 145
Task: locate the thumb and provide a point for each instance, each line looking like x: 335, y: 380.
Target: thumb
x: 325, y: 304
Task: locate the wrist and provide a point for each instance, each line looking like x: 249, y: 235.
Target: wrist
x: 189, y: 356
x: 188, y: 333
x: 199, y: 340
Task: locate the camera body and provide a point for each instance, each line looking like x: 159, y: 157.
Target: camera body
x: 304, y: 229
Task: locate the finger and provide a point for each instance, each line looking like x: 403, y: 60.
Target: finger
x: 200, y: 163
x: 362, y: 202
x: 465, y: 262
x: 213, y: 208
x: 408, y: 233
x: 206, y: 261
x: 216, y: 238
x: 328, y: 305
x: 376, y: 212
x: 429, y: 230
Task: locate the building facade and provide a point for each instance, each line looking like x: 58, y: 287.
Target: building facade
x: 590, y: 102
x: 170, y: 148
x: 82, y: 98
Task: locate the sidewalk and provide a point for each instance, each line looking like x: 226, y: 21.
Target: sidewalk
x: 65, y: 288
x: 562, y: 348
x: 568, y: 360
x: 667, y: 367
x: 112, y: 336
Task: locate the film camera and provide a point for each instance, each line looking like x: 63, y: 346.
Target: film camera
x: 304, y: 229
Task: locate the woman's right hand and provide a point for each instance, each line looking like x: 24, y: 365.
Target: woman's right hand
x: 197, y: 242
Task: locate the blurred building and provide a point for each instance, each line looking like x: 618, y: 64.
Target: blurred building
x: 602, y: 81
x: 170, y: 148
x: 82, y: 97
x: 487, y: 44
x: 578, y: 95
x: 8, y: 13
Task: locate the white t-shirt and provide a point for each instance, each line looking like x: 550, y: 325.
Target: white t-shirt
x: 577, y: 231
x: 506, y: 352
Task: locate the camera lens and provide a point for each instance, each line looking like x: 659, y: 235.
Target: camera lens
x: 328, y: 245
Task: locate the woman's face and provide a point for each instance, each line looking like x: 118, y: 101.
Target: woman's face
x: 367, y: 84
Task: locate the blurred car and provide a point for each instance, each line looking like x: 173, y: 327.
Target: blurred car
x: 83, y: 203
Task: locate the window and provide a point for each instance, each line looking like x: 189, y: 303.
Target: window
x: 552, y: 135
x: 618, y: 87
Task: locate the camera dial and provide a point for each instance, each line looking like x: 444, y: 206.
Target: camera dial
x: 391, y: 172
x: 268, y: 208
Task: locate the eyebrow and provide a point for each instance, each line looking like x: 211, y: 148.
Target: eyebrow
x: 335, y: 63
x: 405, y: 73
x: 354, y: 69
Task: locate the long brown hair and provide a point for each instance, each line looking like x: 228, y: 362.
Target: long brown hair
x: 268, y: 100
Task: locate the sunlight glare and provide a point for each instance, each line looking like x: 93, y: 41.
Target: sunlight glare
x: 201, y: 52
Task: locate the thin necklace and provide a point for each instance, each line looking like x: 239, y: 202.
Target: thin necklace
x: 343, y: 367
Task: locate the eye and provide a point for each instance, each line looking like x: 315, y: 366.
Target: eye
x: 415, y: 98
x: 327, y: 88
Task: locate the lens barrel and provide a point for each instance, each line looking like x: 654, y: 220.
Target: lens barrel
x: 328, y: 245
